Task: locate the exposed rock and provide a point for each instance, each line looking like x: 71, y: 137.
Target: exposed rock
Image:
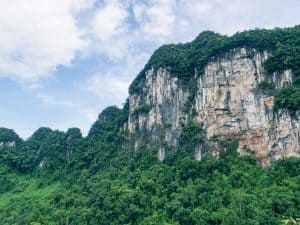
x: 10, y: 144
x: 167, y: 99
x: 226, y: 99
x: 161, y: 154
x: 42, y: 163
x: 198, y: 154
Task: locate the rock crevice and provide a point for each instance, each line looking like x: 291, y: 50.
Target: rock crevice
x: 226, y: 99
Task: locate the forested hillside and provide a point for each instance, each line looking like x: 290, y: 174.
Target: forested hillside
x: 182, y: 59
x: 63, y: 178
x: 57, y: 177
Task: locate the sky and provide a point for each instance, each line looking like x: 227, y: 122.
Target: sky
x: 63, y: 61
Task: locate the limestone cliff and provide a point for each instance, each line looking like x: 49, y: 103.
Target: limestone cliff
x: 10, y: 144
x: 8, y: 138
x: 226, y: 97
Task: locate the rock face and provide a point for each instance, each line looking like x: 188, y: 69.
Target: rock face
x: 226, y: 98
x: 10, y: 144
x: 166, y: 100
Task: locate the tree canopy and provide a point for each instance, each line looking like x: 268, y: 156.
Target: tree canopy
x: 183, y: 59
x: 57, y: 177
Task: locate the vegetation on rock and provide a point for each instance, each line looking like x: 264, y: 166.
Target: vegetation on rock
x: 9, y: 135
x: 184, y: 60
x: 59, y: 177
x: 98, y: 180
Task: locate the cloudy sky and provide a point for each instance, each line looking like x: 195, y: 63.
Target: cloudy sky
x: 63, y: 61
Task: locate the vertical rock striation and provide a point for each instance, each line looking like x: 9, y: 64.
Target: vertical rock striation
x: 226, y: 98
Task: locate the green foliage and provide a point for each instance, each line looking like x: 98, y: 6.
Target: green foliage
x: 291, y: 221
x: 182, y: 59
x: 188, y: 105
x: 65, y: 178
x: 9, y: 135
x: 286, y: 55
x: 266, y: 87
x: 73, y: 134
x: 214, y: 191
x: 108, y: 122
x: 142, y: 110
x: 228, y: 148
x: 192, y: 135
x: 26, y: 202
x: 117, y: 188
x: 104, y: 140
x: 288, y: 98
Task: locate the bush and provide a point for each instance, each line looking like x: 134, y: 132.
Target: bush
x: 288, y: 98
x: 183, y: 59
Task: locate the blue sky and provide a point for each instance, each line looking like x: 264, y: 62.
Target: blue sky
x: 63, y: 61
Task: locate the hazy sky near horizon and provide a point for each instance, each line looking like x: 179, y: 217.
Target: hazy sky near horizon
x: 63, y: 61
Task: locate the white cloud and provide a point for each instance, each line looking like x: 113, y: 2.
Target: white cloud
x: 36, y: 36
x: 195, y: 10
x: 109, y: 20
x: 90, y: 114
x: 109, y: 88
x: 156, y: 18
x: 82, y: 115
x: 79, y: 5
x: 50, y: 100
x: 110, y: 30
